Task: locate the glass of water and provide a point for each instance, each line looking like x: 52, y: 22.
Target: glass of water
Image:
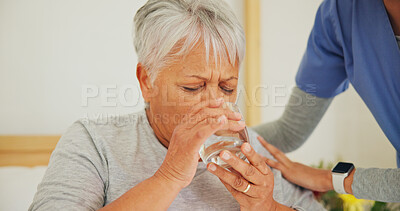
x: 224, y: 140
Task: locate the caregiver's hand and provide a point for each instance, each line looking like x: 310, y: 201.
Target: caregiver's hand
x: 203, y: 120
x: 311, y: 178
x: 257, y: 196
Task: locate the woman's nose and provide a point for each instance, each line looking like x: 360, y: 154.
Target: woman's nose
x: 212, y: 93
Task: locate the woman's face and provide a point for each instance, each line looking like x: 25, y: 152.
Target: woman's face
x: 184, y: 83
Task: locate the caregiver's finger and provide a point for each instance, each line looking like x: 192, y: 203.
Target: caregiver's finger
x: 279, y: 155
x: 249, y: 172
x: 255, y: 159
x: 275, y: 164
x: 235, y: 181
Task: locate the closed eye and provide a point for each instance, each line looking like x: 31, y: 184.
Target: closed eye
x: 226, y: 89
x: 192, y: 89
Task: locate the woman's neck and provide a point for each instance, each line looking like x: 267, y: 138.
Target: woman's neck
x: 160, y: 137
x: 393, y: 10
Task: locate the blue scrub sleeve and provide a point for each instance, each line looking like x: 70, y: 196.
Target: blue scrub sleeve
x: 322, y: 70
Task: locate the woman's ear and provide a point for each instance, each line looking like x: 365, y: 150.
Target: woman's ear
x: 144, y: 81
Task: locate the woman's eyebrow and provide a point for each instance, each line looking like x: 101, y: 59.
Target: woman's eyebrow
x: 206, y: 79
x: 231, y: 78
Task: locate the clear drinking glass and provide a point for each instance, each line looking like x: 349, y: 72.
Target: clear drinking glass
x: 224, y: 140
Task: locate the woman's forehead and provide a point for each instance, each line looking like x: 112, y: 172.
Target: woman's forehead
x: 195, y: 64
x: 204, y: 71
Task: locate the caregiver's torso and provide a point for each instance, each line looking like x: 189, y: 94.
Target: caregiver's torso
x: 372, y: 58
x: 353, y: 41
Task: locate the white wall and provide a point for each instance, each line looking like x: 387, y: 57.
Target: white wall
x: 50, y: 49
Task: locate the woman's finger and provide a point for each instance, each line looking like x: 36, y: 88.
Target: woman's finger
x: 279, y: 155
x: 229, y: 127
x: 237, y: 182
x: 255, y: 159
x: 191, y: 117
x: 249, y: 172
x: 239, y: 196
x: 206, y: 128
x: 207, y: 103
x: 213, y: 112
x: 234, y: 123
x: 206, y: 113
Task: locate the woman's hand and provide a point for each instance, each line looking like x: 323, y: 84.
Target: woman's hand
x: 251, y: 184
x: 203, y: 120
x: 311, y: 178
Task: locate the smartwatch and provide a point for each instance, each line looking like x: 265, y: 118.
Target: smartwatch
x: 339, y: 173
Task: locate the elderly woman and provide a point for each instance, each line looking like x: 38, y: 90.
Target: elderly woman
x: 189, y: 56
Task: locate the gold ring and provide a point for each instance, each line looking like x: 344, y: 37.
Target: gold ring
x: 247, y: 189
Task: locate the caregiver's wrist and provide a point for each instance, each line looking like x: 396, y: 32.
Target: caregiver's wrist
x: 348, y: 181
x: 327, y: 183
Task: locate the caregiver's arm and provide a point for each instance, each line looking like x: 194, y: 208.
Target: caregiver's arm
x: 302, y: 114
x: 375, y: 184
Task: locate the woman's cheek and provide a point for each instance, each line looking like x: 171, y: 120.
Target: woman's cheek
x: 233, y: 96
x: 190, y: 99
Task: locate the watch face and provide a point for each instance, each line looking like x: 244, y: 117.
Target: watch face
x: 342, y: 168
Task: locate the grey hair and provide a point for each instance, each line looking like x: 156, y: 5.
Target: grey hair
x: 161, y: 26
